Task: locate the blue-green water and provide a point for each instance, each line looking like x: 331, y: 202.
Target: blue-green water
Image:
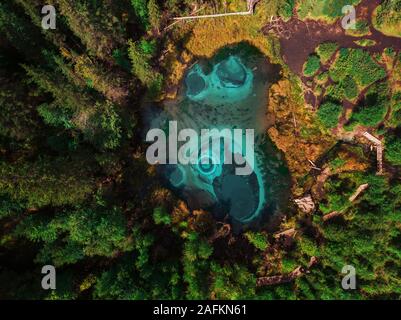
x: 228, y: 91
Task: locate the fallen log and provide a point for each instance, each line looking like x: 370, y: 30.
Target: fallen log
x: 223, y: 232
x: 279, y: 279
x: 358, y: 192
x: 331, y: 215
x: 273, y: 280
x: 306, y: 204
x: 287, y: 233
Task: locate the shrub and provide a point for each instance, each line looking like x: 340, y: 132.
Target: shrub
x: 257, y: 239
x: 161, y: 216
x: 393, y: 149
x: 387, y: 19
x: 357, y: 64
x: 329, y: 113
x: 350, y: 88
x: 286, y: 8
x: 326, y: 50
x: 312, y: 65
x: 373, y: 108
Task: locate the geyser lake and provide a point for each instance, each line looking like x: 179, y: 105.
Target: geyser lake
x: 228, y: 91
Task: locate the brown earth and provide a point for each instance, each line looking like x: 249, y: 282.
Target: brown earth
x: 299, y: 39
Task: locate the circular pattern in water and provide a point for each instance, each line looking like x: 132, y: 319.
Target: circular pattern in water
x: 206, y: 166
x: 177, y: 177
x: 231, y: 72
x: 195, y: 83
x: 229, y: 92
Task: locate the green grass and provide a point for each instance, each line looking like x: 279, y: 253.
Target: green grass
x: 362, y: 29
x: 365, y: 42
x: 387, y: 18
x: 323, y: 9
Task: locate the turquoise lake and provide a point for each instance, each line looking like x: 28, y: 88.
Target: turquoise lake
x: 228, y: 91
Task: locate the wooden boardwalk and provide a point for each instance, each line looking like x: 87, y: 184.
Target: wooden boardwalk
x: 250, y: 5
x: 379, y: 149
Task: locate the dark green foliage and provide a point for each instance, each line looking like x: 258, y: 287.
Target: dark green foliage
x: 140, y: 55
x: 326, y: 50
x: 350, y: 88
x: 312, y: 65
x: 368, y: 241
x: 121, y: 58
x: 393, y: 148
x: 141, y: 11
x: 161, y: 216
x: 77, y: 192
x: 46, y: 181
x: 373, y: 108
x: 232, y: 282
x: 334, y: 8
x: 346, y: 89
x: 73, y: 234
x: 329, y: 113
x: 362, y: 27
x: 100, y: 32
x: 108, y: 122
x: 286, y: 8
x: 9, y: 207
x: 259, y: 240
x: 357, y: 64
x: 196, y: 265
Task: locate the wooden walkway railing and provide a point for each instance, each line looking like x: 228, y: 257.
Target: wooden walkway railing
x: 250, y: 4
x: 379, y: 149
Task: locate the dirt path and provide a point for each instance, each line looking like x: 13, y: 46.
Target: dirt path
x: 299, y: 39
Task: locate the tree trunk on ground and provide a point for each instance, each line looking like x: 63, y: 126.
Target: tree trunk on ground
x: 279, y: 279
x: 331, y: 215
